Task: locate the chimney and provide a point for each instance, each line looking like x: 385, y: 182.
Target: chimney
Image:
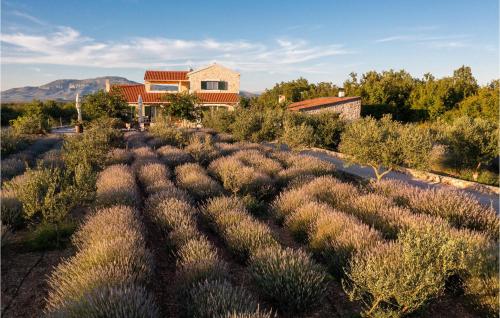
x: 108, y: 86
x: 281, y: 99
x: 341, y: 92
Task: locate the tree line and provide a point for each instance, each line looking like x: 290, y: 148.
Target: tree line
x: 399, y: 94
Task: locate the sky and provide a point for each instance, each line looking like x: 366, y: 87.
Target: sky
x: 266, y: 41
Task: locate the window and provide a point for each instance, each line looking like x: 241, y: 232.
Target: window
x: 164, y: 88
x: 214, y: 85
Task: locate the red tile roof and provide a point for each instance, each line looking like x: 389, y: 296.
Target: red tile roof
x: 320, y: 101
x: 131, y: 94
x: 213, y: 98
x: 166, y: 76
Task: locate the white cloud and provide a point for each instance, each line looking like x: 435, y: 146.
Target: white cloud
x: 66, y: 46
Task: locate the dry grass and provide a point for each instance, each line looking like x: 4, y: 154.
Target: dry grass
x: 116, y: 185
x: 193, y: 178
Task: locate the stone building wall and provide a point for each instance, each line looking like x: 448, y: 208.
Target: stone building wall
x: 348, y: 110
x: 215, y: 73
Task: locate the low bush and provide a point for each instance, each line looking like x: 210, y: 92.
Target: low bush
x: 202, y: 149
x: 198, y: 261
x: 220, y: 120
x: 168, y: 135
x: 288, y: 202
x: 330, y: 190
x: 116, y: 185
x: 119, y: 156
x: 113, y: 301
x: 299, y: 221
x: 12, y: 167
x: 151, y: 174
x: 298, y: 137
x: 247, y: 237
x: 217, y: 298
x: 223, y: 137
x: 104, y: 259
x: 11, y: 204
x: 289, y: 278
x: 240, y: 179
x: 458, y: 208
x: 298, y: 166
x: 12, y: 142
x: 193, y: 178
x: 52, y: 159
x: 47, y: 236
x: 257, y: 160
x: 173, y: 157
x: 399, y: 278
x: 335, y: 237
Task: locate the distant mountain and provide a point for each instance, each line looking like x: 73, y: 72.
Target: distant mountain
x: 248, y: 94
x: 63, y: 89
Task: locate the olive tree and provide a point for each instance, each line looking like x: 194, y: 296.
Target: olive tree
x: 386, y: 144
x: 472, y: 142
x: 182, y: 106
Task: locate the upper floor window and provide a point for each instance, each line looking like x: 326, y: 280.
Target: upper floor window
x: 214, y: 85
x: 164, y: 88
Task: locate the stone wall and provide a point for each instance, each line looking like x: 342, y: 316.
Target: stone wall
x: 215, y: 73
x: 348, y: 110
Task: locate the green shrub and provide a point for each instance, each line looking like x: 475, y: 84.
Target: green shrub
x: 114, y: 301
x: 168, y: 135
x: 47, y: 236
x: 219, y: 298
x: 12, y: 206
x: 193, y: 178
x: 399, y: 278
x: 298, y: 137
x: 220, y: 119
x: 289, y: 278
x: 31, y: 124
x: 247, y: 125
x: 12, y: 141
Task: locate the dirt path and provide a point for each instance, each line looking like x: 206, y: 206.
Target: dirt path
x: 24, y: 280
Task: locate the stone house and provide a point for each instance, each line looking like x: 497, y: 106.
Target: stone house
x: 215, y: 85
x: 348, y: 107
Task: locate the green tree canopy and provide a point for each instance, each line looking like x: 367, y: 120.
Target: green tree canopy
x: 103, y: 104
x: 181, y: 106
x: 385, y: 144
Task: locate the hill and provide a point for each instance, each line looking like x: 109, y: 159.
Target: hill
x: 61, y: 90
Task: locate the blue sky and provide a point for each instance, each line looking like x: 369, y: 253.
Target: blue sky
x: 266, y: 41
